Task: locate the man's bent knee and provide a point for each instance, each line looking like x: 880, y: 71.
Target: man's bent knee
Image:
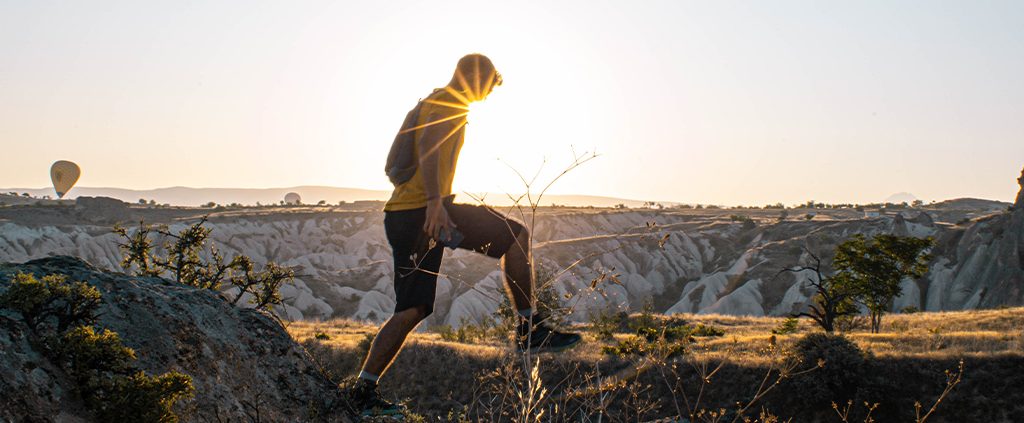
x: 412, y: 315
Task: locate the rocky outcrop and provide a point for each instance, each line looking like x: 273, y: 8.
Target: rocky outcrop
x: 1019, y: 204
x: 241, y: 361
x: 102, y: 210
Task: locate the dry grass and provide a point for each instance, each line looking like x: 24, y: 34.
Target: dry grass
x: 907, y: 359
x: 938, y: 336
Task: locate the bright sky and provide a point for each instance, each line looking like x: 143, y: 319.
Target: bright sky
x: 711, y: 102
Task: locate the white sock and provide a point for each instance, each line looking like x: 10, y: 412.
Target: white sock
x: 526, y: 313
x: 369, y: 376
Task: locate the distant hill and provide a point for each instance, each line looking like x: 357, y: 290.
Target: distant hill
x: 901, y: 197
x: 311, y: 194
x: 972, y: 204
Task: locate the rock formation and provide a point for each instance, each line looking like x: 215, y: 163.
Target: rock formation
x: 242, y: 362
x: 706, y: 261
x: 1019, y: 204
x: 102, y: 210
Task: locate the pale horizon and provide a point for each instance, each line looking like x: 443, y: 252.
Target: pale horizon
x: 724, y: 103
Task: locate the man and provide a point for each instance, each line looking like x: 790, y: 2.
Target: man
x: 420, y: 219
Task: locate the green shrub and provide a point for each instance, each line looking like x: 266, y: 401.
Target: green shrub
x: 187, y: 260
x: 111, y: 387
x: 706, y: 331
x: 142, y: 398
x: 62, y: 314
x: 841, y: 373
x: 87, y: 355
x: 788, y: 326
x: 667, y: 339
x: 469, y: 332
x: 606, y: 323
x: 51, y: 301
x: 643, y: 320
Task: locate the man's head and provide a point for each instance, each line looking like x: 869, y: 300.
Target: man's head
x: 476, y: 76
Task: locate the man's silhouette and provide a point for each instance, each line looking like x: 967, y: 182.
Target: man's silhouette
x: 420, y: 219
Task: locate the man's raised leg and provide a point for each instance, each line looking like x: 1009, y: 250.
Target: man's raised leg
x: 518, y: 272
x: 533, y: 333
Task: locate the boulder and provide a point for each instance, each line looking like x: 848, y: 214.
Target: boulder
x: 242, y: 362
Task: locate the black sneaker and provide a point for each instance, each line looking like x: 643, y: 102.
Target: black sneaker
x: 543, y: 337
x: 367, y: 402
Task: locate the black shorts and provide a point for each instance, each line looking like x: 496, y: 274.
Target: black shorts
x: 417, y: 261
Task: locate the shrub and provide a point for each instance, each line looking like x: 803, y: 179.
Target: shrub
x: 643, y: 320
x: 101, y: 367
x: 87, y: 355
x: 667, y: 339
x: 606, y: 323
x: 469, y: 332
x: 787, y: 326
x: 183, y: 261
x: 840, y: 374
x: 142, y: 398
x: 109, y: 384
x: 51, y: 300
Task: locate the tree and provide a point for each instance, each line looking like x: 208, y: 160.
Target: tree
x: 874, y: 268
x: 833, y: 297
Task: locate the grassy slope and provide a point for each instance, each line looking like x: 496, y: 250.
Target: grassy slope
x: 906, y: 364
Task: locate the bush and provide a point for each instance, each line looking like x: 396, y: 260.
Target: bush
x: 61, y: 314
x: 469, y: 333
x: 143, y: 398
x: 110, y: 386
x: 788, y: 326
x: 841, y: 373
x: 51, y: 301
x: 183, y: 260
x: 666, y: 339
x: 87, y: 355
x: 702, y: 330
x: 606, y: 323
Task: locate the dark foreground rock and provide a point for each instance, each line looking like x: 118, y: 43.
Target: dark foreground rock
x: 244, y: 365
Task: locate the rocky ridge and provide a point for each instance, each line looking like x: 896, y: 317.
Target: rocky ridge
x: 242, y: 362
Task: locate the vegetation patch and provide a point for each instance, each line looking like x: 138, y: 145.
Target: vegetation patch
x: 60, y: 315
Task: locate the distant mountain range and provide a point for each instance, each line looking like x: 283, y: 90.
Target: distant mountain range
x: 310, y: 194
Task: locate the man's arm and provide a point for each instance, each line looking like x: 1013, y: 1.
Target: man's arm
x: 428, y: 147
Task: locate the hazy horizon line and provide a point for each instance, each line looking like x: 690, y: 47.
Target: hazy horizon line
x: 19, y: 190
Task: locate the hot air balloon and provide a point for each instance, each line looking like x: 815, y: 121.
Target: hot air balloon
x: 292, y: 198
x: 64, y: 174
